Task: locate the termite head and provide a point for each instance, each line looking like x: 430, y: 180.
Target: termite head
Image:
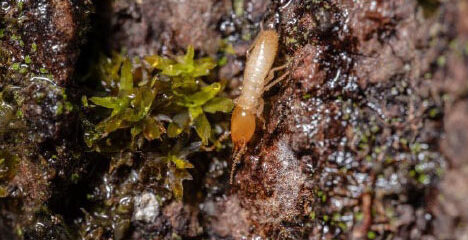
x: 242, y: 126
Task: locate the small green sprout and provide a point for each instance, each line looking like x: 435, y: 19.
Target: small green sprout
x: 33, y: 47
x: 177, y: 173
x: 238, y: 6
x: 27, y: 59
x: 15, y: 66
x: 177, y: 166
x: 225, y: 49
x: 184, y: 70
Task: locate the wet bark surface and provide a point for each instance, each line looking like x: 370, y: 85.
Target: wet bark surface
x: 365, y: 139
x: 40, y: 43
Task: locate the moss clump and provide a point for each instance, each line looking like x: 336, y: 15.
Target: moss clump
x: 158, y: 103
x: 177, y: 166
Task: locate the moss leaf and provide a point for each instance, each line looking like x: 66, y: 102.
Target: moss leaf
x: 185, y: 66
x: 203, y: 128
x: 219, y: 104
x: 152, y: 129
x: 126, y: 77
x: 108, y: 70
x: 194, y: 112
x: 111, y: 124
x: 188, y: 58
x: 173, y: 130
x: 201, y: 97
x: 203, y: 67
x: 118, y: 105
x: 175, y: 178
x: 179, y: 162
x: 136, y: 130
x: 152, y: 60
x: 141, y: 104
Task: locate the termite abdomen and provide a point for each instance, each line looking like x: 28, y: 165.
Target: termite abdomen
x: 242, y: 126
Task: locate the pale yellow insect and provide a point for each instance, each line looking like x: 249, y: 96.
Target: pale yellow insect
x: 257, y: 79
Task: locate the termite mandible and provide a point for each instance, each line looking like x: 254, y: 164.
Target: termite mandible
x: 258, y: 76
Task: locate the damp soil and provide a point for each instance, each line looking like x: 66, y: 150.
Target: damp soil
x: 364, y: 139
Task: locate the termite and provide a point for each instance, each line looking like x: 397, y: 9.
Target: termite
x: 258, y: 76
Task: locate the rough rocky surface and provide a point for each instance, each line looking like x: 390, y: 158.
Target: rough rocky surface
x: 48, y: 33
x: 39, y: 45
x: 365, y: 138
x: 352, y: 142
x: 148, y: 27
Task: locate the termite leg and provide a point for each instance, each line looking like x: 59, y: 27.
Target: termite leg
x: 270, y: 77
x: 271, y: 73
x: 247, y: 54
x: 273, y: 70
x: 219, y: 140
x: 274, y: 82
x: 261, y: 105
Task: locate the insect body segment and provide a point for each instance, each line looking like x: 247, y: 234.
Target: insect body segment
x: 242, y: 126
x: 259, y: 62
x: 249, y: 105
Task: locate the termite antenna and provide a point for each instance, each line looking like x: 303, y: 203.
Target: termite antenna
x: 220, y: 139
x: 236, y: 160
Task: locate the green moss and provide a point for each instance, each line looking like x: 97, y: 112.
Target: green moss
x: 33, y: 47
x: 441, y: 61
x: 336, y: 217
x: 226, y: 48
x: 415, y: 148
x: 423, y: 179
x: 177, y: 173
x: 15, y: 66
x: 160, y: 102
x: 133, y: 101
x: 20, y: 5
x: 63, y: 107
x: 23, y: 70
x: 343, y: 226
x: 15, y: 37
x: 27, y: 59
x: 184, y: 68
x: 322, y: 196
x: 371, y: 235
x: 238, y: 6
x: 433, y: 112
x: 246, y: 36
x: 74, y: 178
